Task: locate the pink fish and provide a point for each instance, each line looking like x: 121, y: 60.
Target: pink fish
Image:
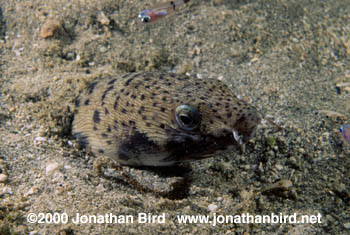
x: 160, y: 10
x: 345, y: 130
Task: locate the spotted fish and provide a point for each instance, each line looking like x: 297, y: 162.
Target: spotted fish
x: 161, y: 119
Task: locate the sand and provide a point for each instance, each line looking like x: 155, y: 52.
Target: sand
x: 283, y: 57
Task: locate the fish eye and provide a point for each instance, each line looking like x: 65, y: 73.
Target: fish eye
x: 187, y: 117
x: 145, y: 19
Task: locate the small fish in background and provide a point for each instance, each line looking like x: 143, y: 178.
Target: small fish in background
x: 345, y: 131
x: 160, y: 10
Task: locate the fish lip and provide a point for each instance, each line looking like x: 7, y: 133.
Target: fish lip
x: 237, y: 137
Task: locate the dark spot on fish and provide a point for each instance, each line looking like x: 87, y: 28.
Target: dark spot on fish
x: 112, y: 81
x: 106, y: 92
x: 91, y: 87
x: 104, y: 135
x: 87, y: 102
x: 77, y: 102
x: 136, y: 144
x: 96, y: 117
x: 106, y: 111
x: 124, y: 111
x: 116, y: 102
x: 101, y: 151
x: 82, y: 139
x: 142, y: 108
x: 128, y: 81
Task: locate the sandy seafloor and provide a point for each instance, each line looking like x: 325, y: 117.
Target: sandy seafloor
x: 285, y: 57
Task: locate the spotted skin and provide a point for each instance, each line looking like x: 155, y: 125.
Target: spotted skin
x: 131, y: 119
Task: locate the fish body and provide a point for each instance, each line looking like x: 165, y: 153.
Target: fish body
x: 161, y: 119
x: 160, y: 10
x: 345, y: 131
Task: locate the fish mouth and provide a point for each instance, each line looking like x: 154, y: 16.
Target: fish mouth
x: 244, y: 137
x: 203, y: 147
x: 245, y: 127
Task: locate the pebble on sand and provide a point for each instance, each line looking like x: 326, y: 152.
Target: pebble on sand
x: 52, y: 167
x: 3, y: 178
x: 212, y: 207
x: 50, y: 28
x: 347, y: 225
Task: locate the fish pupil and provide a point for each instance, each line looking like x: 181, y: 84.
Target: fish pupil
x: 146, y: 19
x: 186, y: 119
